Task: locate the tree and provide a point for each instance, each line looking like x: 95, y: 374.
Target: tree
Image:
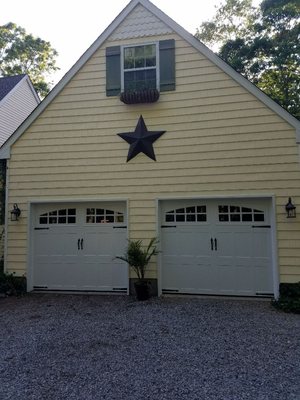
x: 21, y: 53
x: 264, y: 46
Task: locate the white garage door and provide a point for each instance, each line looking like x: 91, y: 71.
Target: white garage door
x: 75, y: 245
x: 217, y: 247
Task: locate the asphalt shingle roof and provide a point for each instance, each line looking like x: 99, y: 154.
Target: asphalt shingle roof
x: 8, y: 83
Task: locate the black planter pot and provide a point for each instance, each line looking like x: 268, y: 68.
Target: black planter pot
x: 140, y: 96
x: 142, y: 290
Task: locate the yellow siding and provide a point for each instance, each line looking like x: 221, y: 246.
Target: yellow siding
x: 220, y: 140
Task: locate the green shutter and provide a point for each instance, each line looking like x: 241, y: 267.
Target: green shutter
x: 167, y: 65
x: 113, y: 71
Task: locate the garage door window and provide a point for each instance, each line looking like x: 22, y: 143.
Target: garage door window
x: 240, y: 214
x: 187, y: 214
x: 63, y: 216
x: 101, y: 215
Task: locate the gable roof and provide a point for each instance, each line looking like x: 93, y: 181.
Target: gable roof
x: 5, y: 150
x: 7, y: 83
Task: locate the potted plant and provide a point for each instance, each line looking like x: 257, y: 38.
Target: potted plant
x: 138, y: 257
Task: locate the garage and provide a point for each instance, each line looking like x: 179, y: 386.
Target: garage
x: 220, y: 246
x: 74, y: 247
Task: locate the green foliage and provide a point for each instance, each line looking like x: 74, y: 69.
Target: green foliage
x: 289, y: 300
x: 232, y: 19
x: 138, y: 257
x: 22, y: 53
x: 263, y: 45
x: 11, y: 285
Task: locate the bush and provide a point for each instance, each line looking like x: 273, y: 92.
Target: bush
x: 289, y: 299
x: 11, y: 285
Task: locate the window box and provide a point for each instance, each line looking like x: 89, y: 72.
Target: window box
x: 140, y: 96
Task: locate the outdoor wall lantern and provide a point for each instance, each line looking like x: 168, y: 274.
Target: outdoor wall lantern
x: 15, y: 213
x: 290, y: 209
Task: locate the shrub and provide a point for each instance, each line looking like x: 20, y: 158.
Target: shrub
x: 11, y: 285
x: 289, y: 299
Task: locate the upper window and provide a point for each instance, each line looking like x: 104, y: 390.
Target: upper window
x: 140, y: 67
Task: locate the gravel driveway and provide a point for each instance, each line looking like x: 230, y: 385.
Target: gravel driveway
x: 112, y: 347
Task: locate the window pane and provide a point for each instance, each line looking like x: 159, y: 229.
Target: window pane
x: 234, y: 209
x: 99, y: 211
x: 180, y: 218
x: 128, y: 58
x: 139, y: 51
x: 72, y: 211
x: 191, y: 217
x: 223, y: 209
x: 246, y: 217
x: 62, y: 212
x: 109, y: 218
x: 149, y: 50
x: 53, y: 212
x: 259, y: 217
x: 180, y: 211
x: 170, y: 218
x: 246, y: 210
x: 235, y: 217
x: 191, y: 210
x: 62, y: 220
x: 90, y: 211
x: 43, y: 220
x: 201, y: 217
x: 52, y: 220
x: 223, y: 218
x: 201, y: 209
x: 120, y: 218
x: 109, y: 212
x: 90, y: 219
x: 71, y: 220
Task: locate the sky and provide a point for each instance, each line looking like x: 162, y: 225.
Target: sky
x: 72, y: 26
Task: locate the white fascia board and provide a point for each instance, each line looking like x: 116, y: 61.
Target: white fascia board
x: 5, y: 149
x: 31, y: 87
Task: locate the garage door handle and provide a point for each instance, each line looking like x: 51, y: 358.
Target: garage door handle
x: 81, y: 243
x: 211, y: 243
x: 78, y: 244
x: 216, y: 244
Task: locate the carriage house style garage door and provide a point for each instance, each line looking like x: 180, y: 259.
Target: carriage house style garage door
x: 217, y: 247
x: 74, y: 246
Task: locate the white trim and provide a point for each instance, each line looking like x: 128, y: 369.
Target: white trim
x: 29, y: 266
x: 272, y: 211
x: 36, y: 96
x: 6, y: 216
x: 5, y: 150
x: 274, y: 246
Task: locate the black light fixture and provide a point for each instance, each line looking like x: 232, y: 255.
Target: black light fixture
x: 290, y: 209
x: 15, y: 213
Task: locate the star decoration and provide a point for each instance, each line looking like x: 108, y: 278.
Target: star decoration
x: 141, y: 140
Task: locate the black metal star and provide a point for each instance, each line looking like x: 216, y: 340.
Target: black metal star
x: 141, y: 140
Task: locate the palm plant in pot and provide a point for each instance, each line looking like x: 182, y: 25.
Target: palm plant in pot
x: 138, y: 257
